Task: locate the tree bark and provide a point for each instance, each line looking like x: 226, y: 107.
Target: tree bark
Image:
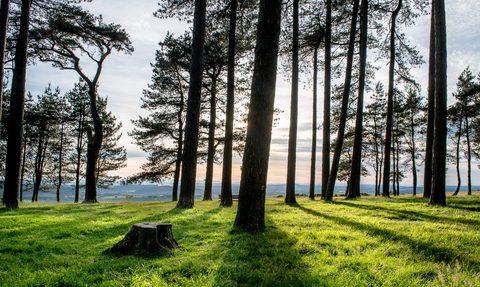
x: 189, y: 163
x: 15, y: 132
x: 459, y: 179
x: 94, y: 143
x: 79, y: 158
x: 3, y: 40
x: 427, y: 174
x: 251, y: 201
x: 438, y: 196
x: 313, y: 158
x: 357, y: 145
x: 391, y: 79
x: 343, y: 114
x: 146, y: 239
x: 211, y: 141
x: 469, y: 153
x: 226, y: 192
x: 60, y: 157
x: 178, y: 163
x: 414, y: 167
x: 326, y: 101
x: 292, y: 137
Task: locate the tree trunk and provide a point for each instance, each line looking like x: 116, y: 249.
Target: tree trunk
x: 313, y: 158
x: 469, y: 154
x: 94, y: 144
x: 39, y: 163
x: 398, y: 165
x: 459, y: 179
x: 354, y: 188
x: 251, y: 200
x: 189, y: 163
x: 226, y: 192
x: 211, y: 141
x: 22, y: 174
x: 79, y: 158
x: 178, y: 163
x: 60, y: 163
x: 391, y: 79
x: 146, y: 239
x: 326, y: 101
x: 438, y: 196
x: 292, y: 137
x: 394, y: 171
x: 3, y: 40
x: 414, y: 167
x: 15, y: 131
x: 427, y: 174
x: 343, y: 114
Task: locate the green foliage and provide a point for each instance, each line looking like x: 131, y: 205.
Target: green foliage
x: 365, y: 242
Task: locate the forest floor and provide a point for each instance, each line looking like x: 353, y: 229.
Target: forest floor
x: 366, y: 242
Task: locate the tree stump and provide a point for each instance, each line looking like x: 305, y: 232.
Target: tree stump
x: 147, y: 238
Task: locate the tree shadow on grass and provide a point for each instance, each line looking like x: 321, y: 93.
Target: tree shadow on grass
x: 400, y: 214
x: 466, y: 202
x: 429, y: 252
x: 266, y: 258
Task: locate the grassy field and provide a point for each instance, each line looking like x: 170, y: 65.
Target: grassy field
x: 367, y: 242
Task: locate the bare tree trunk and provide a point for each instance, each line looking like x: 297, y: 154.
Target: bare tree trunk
x: 326, y: 101
x: 79, y: 158
x: 459, y: 179
x: 354, y: 187
x: 39, y: 163
x: 414, y: 167
x: 292, y: 137
x: 189, y: 163
x: 3, y: 40
x: 469, y: 155
x: 94, y: 144
x: 391, y: 78
x: 343, y: 115
x: 427, y: 174
x: 15, y: 131
x: 60, y: 158
x: 438, y: 196
x: 178, y: 163
x: 211, y: 142
x: 22, y: 174
x: 313, y: 158
x: 251, y: 201
x: 226, y: 192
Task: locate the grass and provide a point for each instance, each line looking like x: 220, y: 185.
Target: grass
x: 367, y: 242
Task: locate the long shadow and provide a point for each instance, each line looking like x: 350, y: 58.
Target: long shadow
x: 401, y: 214
x: 465, y: 203
x: 267, y: 258
x: 439, y: 254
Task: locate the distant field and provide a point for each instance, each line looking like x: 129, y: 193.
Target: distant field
x: 367, y: 242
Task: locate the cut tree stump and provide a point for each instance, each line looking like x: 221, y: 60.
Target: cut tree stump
x: 146, y: 238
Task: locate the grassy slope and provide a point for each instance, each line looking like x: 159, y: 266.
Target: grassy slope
x: 366, y: 242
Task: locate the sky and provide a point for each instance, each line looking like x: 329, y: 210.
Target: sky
x: 124, y: 77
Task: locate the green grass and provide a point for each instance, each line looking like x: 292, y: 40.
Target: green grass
x: 367, y: 242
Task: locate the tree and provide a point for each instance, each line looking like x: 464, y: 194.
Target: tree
x: 60, y: 40
x: 427, y: 174
x: 251, y: 202
x: 189, y: 163
x: 343, y: 116
x: 391, y: 75
x: 455, y: 117
x: 15, y: 133
x: 468, y: 97
x: 292, y: 137
x: 414, y: 121
x: 354, y: 188
x: 226, y: 191
x: 78, y: 99
x: 438, y: 195
x: 111, y: 156
x: 3, y: 39
x: 165, y: 98
x: 374, y: 132
x: 326, y: 100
